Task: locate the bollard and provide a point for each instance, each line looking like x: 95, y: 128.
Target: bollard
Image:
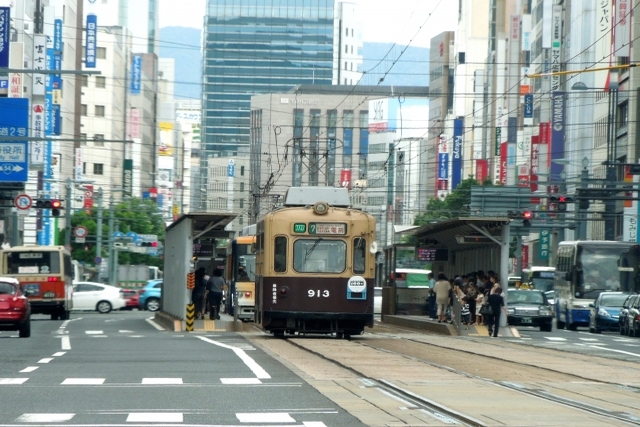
x: 191, y: 316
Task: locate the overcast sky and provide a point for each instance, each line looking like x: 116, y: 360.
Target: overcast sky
x: 395, y: 21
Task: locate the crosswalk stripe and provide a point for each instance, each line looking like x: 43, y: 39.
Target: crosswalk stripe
x: 44, y: 418
x: 261, y: 417
x: 162, y: 381
x: 239, y: 381
x: 83, y: 381
x: 555, y: 338
x: 29, y: 369
x: 94, y: 332
x: 13, y: 381
x: 150, y: 417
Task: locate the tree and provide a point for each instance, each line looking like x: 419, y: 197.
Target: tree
x: 137, y: 215
x: 455, y: 205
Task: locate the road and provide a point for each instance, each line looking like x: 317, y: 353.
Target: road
x: 118, y: 369
x: 121, y: 369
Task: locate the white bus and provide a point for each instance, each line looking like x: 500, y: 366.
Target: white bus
x: 586, y: 268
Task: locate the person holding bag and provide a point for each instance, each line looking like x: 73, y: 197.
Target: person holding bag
x: 496, y: 301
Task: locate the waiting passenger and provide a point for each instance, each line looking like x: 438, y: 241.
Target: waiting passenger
x: 215, y: 286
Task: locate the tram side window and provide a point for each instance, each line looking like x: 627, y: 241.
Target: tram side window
x: 280, y: 255
x: 359, y: 253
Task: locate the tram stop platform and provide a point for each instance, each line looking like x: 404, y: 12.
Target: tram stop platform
x: 224, y: 324
x: 428, y: 324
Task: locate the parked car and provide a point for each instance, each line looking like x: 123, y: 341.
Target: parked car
x: 605, y: 311
x: 130, y: 298
x: 633, y: 317
x: 15, y: 310
x: 149, y: 296
x: 624, y: 314
x: 551, y: 297
x: 529, y: 307
x: 377, y: 300
x: 97, y: 296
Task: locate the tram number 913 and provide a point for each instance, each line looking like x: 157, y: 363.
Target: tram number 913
x: 318, y: 293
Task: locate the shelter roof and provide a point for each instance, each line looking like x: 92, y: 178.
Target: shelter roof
x: 207, y: 224
x: 451, y: 233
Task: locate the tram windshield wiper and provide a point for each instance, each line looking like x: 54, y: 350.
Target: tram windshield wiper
x: 311, y: 249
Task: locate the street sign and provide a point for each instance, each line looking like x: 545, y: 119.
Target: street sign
x: 80, y: 231
x: 118, y: 234
x: 97, y: 260
x: 23, y: 202
x: 132, y: 235
x: 14, y: 121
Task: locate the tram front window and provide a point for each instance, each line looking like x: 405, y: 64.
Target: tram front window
x: 319, y: 256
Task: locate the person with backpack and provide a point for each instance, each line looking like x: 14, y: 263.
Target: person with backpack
x: 215, y: 286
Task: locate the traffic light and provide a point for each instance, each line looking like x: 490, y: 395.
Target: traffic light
x: 561, y: 202
x: 149, y: 244
x: 525, y: 216
x: 54, y: 204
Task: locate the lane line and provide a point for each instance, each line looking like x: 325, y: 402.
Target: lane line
x: 66, y: 342
x: 83, y: 381
x: 154, y: 324
x: 44, y: 418
x: 255, y: 368
x: 45, y: 360
x: 617, y: 351
x: 30, y: 369
x: 13, y: 381
x: 94, y: 332
x: 262, y: 417
x: 240, y: 381
x: 60, y: 353
x: 162, y: 381
x: 151, y: 417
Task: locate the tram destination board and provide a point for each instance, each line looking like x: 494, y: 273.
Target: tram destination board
x: 430, y: 254
x: 326, y: 228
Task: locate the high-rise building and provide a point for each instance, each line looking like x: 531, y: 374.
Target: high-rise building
x: 268, y: 48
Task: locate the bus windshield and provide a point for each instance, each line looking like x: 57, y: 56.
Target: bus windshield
x: 602, y: 268
x: 33, y: 262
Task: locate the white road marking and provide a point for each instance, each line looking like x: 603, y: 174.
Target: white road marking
x: 154, y: 324
x: 60, y: 353
x: 44, y: 418
x: 66, y: 342
x: 589, y: 339
x: 555, y: 338
x: 150, y: 417
x: 162, y: 381
x: 136, y: 336
x: 45, y: 360
x: 13, y: 381
x: 240, y: 381
x: 94, y: 332
x: 255, y: 368
x: 313, y: 424
x: 125, y: 332
x: 30, y: 369
x: 83, y: 381
x: 262, y: 417
x: 617, y: 351
x: 622, y: 340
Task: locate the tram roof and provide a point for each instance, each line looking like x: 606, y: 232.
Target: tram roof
x: 447, y: 233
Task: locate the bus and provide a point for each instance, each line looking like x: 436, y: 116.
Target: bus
x: 541, y: 278
x: 240, y: 274
x: 46, y: 275
x: 586, y: 268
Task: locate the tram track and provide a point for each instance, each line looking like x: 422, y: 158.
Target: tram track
x: 608, y: 410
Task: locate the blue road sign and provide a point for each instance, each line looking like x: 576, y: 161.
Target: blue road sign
x: 14, y: 121
x: 118, y: 234
x: 97, y: 260
x: 132, y: 235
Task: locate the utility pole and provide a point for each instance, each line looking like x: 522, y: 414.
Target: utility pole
x: 111, y: 249
x: 611, y: 177
x: 99, y: 225
x: 582, y: 211
x: 67, y: 213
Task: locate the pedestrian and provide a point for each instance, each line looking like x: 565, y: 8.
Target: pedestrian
x: 215, y: 286
x: 471, y: 295
x: 432, y: 280
x: 465, y: 313
x: 442, y: 289
x: 479, y: 301
x: 199, y: 292
x: 496, y: 301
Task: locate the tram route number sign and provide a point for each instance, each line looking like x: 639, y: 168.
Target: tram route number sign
x: 300, y: 227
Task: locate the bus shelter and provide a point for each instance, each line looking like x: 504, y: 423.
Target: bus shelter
x: 455, y: 246
x: 181, y: 236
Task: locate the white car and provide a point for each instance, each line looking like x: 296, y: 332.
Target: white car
x: 98, y: 297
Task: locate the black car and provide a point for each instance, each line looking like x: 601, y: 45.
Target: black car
x: 624, y: 311
x: 633, y: 318
x: 529, y: 308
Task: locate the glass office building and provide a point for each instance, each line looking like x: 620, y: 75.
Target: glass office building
x: 259, y: 46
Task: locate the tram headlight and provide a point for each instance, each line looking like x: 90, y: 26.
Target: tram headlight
x: 321, y: 208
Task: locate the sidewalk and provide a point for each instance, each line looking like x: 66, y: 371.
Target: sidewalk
x: 432, y: 325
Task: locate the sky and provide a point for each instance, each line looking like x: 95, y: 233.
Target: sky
x: 404, y: 22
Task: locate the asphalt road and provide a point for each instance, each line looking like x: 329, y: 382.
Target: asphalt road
x: 606, y: 344
x: 119, y: 369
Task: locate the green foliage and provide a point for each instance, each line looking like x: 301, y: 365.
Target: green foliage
x: 455, y: 205
x: 137, y: 215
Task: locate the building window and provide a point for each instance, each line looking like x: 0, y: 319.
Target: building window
x: 83, y: 110
x: 241, y: 203
x: 347, y: 32
x: 98, y: 139
x: 99, y: 111
x: 345, y: 65
x: 241, y: 170
x: 84, y: 167
x: 84, y: 81
x: 83, y: 137
x: 352, y: 49
x: 346, y: 48
x: 241, y: 187
x: 101, y: 82
x: 102, y: 53
x: 98, y: 169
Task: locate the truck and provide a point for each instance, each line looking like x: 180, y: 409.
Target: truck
x: 136, y: 276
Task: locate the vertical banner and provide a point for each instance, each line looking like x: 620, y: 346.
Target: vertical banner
x: 39, y: 62
x: 36, y: 148
x: 127, y: 177
x: 557, y: 133
x: 88, y: 198
x: 482, y: 170
x: 90, y: 46
x: 526, y: 33
x: 534, y: 170
x: 630, y: 218
x: 443, y: 166
x: 14, y: 121
x: 57, y: 36
x: 5, y: 36
x: 622, y: 23
x: 345, y: 178
x: 556, y: 46
x: 528, y: 109
x: 523, y: 175
x: 231, y: 173
x: 136, y: 74
x: 545, y: 244
x: 503, y: 163
x: 78, y: 165
x: 456, y: 162
x: 547, y: 18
